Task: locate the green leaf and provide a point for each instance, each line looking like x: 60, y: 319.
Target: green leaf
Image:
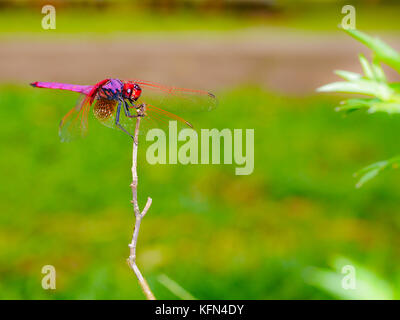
x: 369, y: 285
x: 373, y: 105
x: 369, y: 74
x: 374, y: 169
x: 347, y: 75
x: 367, y: 176
x: 383, y: 52
x: 379, y: 74
x: 355, y: 104
x: 362, y: 86
x: 388, y: 107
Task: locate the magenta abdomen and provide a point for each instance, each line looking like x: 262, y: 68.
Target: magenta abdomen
x: 63, y: 86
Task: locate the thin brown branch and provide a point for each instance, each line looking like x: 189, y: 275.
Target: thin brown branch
x: 138, y: 215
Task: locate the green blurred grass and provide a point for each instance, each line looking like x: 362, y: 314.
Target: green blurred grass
x: 218, y: 235
x: 132, y: 19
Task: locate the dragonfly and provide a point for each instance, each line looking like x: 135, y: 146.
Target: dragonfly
x: 118, y: 103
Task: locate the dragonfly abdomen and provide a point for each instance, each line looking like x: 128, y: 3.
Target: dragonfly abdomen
x: 63, y: 86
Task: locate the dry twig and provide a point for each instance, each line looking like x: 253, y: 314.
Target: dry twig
x: 138, y: 216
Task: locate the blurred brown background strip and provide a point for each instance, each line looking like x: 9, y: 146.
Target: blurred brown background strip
x: 288, y: 62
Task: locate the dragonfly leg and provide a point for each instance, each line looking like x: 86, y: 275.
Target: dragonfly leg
x: 128, y: 112
x: 117, y: 119
x: 138, y: 108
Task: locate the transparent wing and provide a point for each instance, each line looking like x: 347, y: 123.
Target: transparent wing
x: 105, y: 112
x: 175, y: 99
x: 75, y: 123
x: 158, y: 118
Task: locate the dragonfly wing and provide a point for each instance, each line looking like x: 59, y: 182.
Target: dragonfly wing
x: 156, y: 118
x: 176, y: 99
x: 75, y: 123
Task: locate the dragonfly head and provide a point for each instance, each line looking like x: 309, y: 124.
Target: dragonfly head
x: 131, y: 91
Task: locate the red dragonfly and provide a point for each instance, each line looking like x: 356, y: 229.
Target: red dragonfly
x: 136, y: 98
